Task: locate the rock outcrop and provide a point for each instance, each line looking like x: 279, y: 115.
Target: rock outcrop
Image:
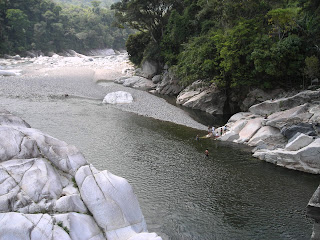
x: 202, y: 97
x: 48, y: 190
x: 283, y: 131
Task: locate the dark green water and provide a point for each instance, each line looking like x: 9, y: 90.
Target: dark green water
x: 183, y: 194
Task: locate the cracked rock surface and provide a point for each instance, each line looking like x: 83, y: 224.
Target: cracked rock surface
x: 48, y: 190
x: 284, y: 131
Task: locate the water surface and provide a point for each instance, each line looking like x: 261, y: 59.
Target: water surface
x: 183, y: 194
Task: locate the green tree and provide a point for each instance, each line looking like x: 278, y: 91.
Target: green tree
x: 18, y: 24
x: 312, y: 69
x: 282, y: 21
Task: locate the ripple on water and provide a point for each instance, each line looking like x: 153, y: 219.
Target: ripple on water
x: 183, y: 195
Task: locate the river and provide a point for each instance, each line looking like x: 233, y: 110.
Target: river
x: 183, y: 195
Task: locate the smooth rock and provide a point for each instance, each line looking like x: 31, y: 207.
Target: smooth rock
x: 289, y: 117
x: 271, y: 106
x: 65, y: 157
x: 11, y: 120
x: 257, y: 96
x: 119, y: 97
x: 249, y: 130
x: 28, y: 184
x: 111, y: 201
x: 238, y: 116
x: 306, y: 159
x: 291, y: 131
x: 149, y: 68
x: 264, y: 134
x: 299, y: 142
x: 17, y: 226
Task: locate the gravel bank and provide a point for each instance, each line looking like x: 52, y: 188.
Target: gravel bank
x: 87, y: 78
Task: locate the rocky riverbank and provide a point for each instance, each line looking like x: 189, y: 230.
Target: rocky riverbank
x: 50, y: 191
x: 284, y: 131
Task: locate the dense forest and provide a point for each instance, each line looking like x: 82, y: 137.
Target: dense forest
x: 236, y: 44
x: 49, y: 26
x: 105, y: 3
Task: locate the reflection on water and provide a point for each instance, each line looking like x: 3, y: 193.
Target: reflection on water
x: 183, y: 195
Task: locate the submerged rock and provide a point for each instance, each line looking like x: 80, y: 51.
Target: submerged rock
x: 49, y: 191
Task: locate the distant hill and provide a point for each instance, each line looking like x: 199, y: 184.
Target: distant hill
x: 104, y: 3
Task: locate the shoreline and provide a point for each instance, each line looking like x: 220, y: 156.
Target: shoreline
x: 52, y: 78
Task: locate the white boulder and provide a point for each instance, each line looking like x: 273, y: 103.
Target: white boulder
x: 112, y: 202
x: 299, y: 142
x: 265, y: 133
x: 288, y: 117
x: 306, y: 159
x: 119, y: 97
x: 10, y: 72
x: 39, y: 173
x: 249, y: 130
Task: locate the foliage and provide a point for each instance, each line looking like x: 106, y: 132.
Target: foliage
x: 236, y: 44
x: 60, y: 224
x: 47, y: 26
x: 106, y: 3
x: 282, y: 20
x: 136, y: 45
x: 312, y: 69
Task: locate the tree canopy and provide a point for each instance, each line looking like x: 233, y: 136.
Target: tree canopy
x: 49, y: 26
x: 236, y: 44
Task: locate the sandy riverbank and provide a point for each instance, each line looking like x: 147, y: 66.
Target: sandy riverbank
x: 87, y: 78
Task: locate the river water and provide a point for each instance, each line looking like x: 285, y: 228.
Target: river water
x: 183, y: 195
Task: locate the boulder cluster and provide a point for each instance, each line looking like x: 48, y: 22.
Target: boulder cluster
x: 284, y: 131
x: 48, y: 190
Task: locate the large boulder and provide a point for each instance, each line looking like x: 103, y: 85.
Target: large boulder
x: 257, y: 96
x: 119, y: 97
x: 149, y: 69
x: 6, y: 118
x: 239, y: 116
x: 306, y: 159
x: 269, y: 135
x: 106, y: 196
x: 289, y: 117
x: 292, y: 130
x: 249, y: 130
x: 300, y: 141
x: 71, y: 226
x: 41, y: 174
x: 169, y: 84
x: 271, y: 106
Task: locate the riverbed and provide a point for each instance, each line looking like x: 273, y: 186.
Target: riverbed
x: 183, y: 195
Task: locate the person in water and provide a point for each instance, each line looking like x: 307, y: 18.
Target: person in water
x: 197, y: 137
x: 206, y: 152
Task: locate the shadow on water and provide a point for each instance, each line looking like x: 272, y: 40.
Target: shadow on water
x: 202, y: 117
x: 183, y: 194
